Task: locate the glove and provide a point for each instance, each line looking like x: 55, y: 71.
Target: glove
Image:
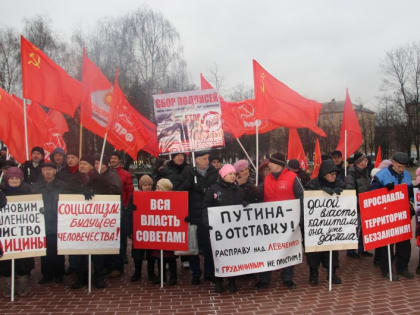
x: 187, y: 219
x: 245, y: 203
x: 133, y: 208
x: 41, y: 210
x: 338, y: 190
x: 328, y: 190
x: 88, y: 195
x: 210, y: 228
x: 418, y: 241
x: 389, y: 186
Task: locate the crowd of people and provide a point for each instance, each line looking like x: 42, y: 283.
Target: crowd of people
x: 209, y: 183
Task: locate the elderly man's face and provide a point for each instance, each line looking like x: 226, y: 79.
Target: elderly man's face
x: 399, y: 168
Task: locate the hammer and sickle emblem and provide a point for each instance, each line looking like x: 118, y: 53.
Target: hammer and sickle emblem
x: 35, y: 60
x: 262, y: 76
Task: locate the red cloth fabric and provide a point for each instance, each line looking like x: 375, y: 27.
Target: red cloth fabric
x: 281, y: 188
x: 127, y: 185
x: 317, y: 160
x: 295, y: 149
x: 378, y: 157
x: 354, y: 133
x: 73, y: 169
x: 43, y: 81
x: 281, y: 105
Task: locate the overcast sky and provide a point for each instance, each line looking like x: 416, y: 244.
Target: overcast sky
x: 318, y: 48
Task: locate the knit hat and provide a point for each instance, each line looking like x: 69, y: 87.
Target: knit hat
x: 48, y: 164
x: 278, y: 158
x: 293, y: 164
x: 72, y: 152
x: 38, y: 149
x: 13, y: 171
x: 401, y: 158
x: 384, y: 164
x: 175, y: 154
x: 88, y: 158
x: 164, y: 184
x: 358, y: 157
x: 226, y: 169
x: 57, y: 151
x: 337, y: 153
x: 241, y: 165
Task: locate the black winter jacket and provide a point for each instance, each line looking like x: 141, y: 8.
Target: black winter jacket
x: 31, y: 173
x: 177, y: 174
x: 222, y: 194
x: 357, y: 179
x: 197, y: 191
x: 50, y: 192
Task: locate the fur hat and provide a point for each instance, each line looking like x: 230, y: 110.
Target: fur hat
x: 241, y: 165
x: 164, y: 184
x: 374, y: 171
x: 417, y: 180
x: 358, y: 157
x: 226, y: 169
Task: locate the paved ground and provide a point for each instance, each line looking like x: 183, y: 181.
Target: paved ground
x: 364, y: 291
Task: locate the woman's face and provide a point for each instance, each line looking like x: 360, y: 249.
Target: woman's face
x: 244, y: 173
x: 230, y: 178
x: 85, y: 167
x: 146, y: 187
x: 14, y: 181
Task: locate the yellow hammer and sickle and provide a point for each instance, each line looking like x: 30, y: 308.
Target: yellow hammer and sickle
x: 35, y: 60
x: 262, y: 81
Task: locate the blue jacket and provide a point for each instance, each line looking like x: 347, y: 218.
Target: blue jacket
x: 388, y: 175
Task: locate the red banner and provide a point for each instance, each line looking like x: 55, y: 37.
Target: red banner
x: 158, y: 222
x: 385, y: 216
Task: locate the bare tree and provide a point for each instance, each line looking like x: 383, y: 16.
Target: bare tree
x: 401, y: 86
x: 241, y: 92
x: 9, y: 60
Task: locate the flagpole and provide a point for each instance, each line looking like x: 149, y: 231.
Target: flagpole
x: 330, y: 273
x: 246, y: 153
x: 80, y: 138
x: 256, y: 154
x: 12, y: 286
x: 26, y: 131
x: 345, y: 152
x: 102, y: 153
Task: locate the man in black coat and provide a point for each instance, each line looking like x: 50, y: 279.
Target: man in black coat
x: 175, y: 171
x: 31, y: 169
x: 52, y: 265
x: 198, y: 180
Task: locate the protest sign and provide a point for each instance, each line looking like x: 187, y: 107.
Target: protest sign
x: 330, y: 222
x: 260, y: 237
x: 188, y: 121
x: 385, y: 216
x: 158, y: 222
x: 88, y: 226
x: 22, y: 227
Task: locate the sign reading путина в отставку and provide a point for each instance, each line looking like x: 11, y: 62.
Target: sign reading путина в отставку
x: 159, y: 221
x: 385, y: 216
x: 22, y: 227
x: 88, y: 226
x: 330, y: 222
x: 256, y: 238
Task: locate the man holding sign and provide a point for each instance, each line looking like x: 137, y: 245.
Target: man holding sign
x: 390, y: 177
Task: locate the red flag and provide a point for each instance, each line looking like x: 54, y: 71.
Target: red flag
x: 12, y: 128
x: 51, y: 137
x: 281, y: 105
x: 351, y: 125
x: 150, y: 132
x: 58, y: 121
x: 43, y: 81
x: 238, y: 117
x: 295, y: 149
x: 96, y: 103
x: 378, y: 157
x: 126, y: 130
x: 317, y: 160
